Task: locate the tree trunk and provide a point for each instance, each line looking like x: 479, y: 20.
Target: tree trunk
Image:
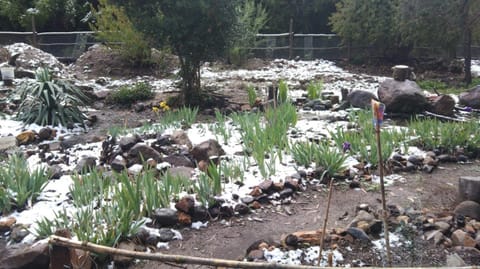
x: 467, y: 43
x: 190, y: 73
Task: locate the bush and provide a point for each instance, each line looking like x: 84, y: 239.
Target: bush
x: 127, y: 95
x: 49, y: 101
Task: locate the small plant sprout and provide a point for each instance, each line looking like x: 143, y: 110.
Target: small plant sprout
x: 314, y: 89
x: 252, y: 95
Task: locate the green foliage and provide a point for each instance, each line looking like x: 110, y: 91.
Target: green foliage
x: 49, y: 101
x: 329, y: 158
x: 220, y: 127
x: 89, y: 189
x: 184, y: 117
x: 127, y: 95
x: 18, y: 185
x: 314, y: 89
x: 252, y: 95
x: 113, y: 26
x: 282, y: 91
x: 251, y: 18
x: 209, y: 185
x: 303, y: 153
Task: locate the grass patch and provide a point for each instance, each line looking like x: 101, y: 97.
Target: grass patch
x: 127, y: 95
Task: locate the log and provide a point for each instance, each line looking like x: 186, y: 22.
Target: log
x: 401, y: 72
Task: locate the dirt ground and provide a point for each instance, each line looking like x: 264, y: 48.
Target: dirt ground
x: 229, y: 239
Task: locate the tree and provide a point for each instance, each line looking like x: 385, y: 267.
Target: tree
x: 470, y: 11
x: 197, y: 31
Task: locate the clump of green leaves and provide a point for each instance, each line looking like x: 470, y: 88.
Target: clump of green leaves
x: 18, y: 185
x: 282, y: 91
x: 209, y: 185
x: 303, y: 153
x: 49, y: 101
x: 252, y: 95
x: 127, y: 95
x: 314, y: 89
x: 113, y: 26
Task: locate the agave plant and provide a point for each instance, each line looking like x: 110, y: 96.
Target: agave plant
x: 49, y: 101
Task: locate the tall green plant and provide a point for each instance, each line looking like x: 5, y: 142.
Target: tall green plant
x: 49, y: 101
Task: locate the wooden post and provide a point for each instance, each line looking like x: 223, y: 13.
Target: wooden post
x: 34, y: 32
x: 290, y: 40
x: 330, y: 190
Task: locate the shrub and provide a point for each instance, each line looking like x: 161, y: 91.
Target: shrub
x: 127, y: 95
x: 49, y: 101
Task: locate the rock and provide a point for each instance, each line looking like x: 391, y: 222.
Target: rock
x: 23, y: 256
x: 358, y: 234
x: 468, y: 209
x: 247, y: 199
x: 180, y: 137
x: 361, y: 99
x: 55, y: 171
x: 181, y: 171
x: 121, y: 260
x: 469, y: 189
x: 186, y: 205
x: 287, y: 192
x: 166, y: 235
x: 7, y: 223
x: 417, y: 160
x: 292, y: 183
x: 86, y: 164
x: 128, y: 141
x: 142, y: 152
x: 206, y: 150
x: 135, y: 169
x: 242, y: 209
x: 72, y: 141
x: 7, y: 142
x: 361, y: 216
x: 266, y: 186
x: 179, y: 160
x: 442, y: 226
x: 200, y: 213
x: 45, y: 134
x: 430, y: 161
x: 442, y: 105
x: 402, y: 96
x: 470, y: 98
x: 18, y: 233
x: 255, y: 255
x: 461, y: 238
x: 139, y: 107
x: 118, y: 164
x: 25, y: 137
x: 165, y: 217
x: 401, y: 72
x: 453, y: 260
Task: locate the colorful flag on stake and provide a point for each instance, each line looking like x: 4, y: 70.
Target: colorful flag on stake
x: 378, y: 110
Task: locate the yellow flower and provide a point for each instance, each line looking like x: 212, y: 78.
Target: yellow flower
x: 155, y: 109
x: 166, y: 107
x: 163, y: 104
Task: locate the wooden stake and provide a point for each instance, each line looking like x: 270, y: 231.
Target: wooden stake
x: 382, y: 188
x: 330, y: 190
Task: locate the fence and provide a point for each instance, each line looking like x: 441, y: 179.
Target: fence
x: 69, y: 46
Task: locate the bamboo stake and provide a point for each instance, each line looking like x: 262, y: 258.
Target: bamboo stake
x: 322, y: 238
x: 382, y: 188
x: 61, y: 241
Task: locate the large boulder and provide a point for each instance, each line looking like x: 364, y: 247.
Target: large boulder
x: 23, y: 256
x: 469, y: 188
x: 442, y: 105
x: 468, y: 209
x: 142, y: 152
x: 402, y: 96
x: 470, y: 98
x: 361, y: 99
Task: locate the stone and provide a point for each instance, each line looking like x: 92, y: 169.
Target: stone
x: 7, y: 223
x: 242, y: 209
x: 7, y: 142
x: 470, y: 98
x: 142, y: 152
x: 165, y: 217
x: 358, y: 234
x: 118, y: 164
x: 292, y: 183
x: 266, y: 186
x: 255, y: 255
x: 442, y: 105
x: 361, y: 99
x: 461, y: 238
x: 128, y: 141
x: 200, y: 213
x: 25, y: 137
x: 469, y: 188
x: 45, y: 134
x: 18, y: 233
x: 121, y: 260
x: 442, y: 226
x: 287, y: 192
x: 417, y: 160
x: 26, y: 256
x: 402, y: 96
x: 454, y: 260
x: 165, y: 235
x: 86, y: 164
x: 139, y: 107
x: 430, y: 161
x: 180, y: 137
x: 181, y: 171
x: 55, y: 171
x: 207, y: 150
x: 135, y: 169
x: 247, y: 199
x: 186, y: 205
x: 361, y: 216
x: 184, y: 218
x: 71, y: 141
x: 468, y: 209
x: 179, y: 160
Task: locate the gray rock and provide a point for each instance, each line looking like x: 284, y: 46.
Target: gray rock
x: 55, y: 171
x: 442, y: 226
x: 142, y: 152
x: 200, y: 213
x: 23, y: 256
x: 166, y: 235
x: 358, y: 234
x: 247, y: 199
x: 128, y: 141
x: 7, y: 142
x: 72, y: 141
x: 468, y: 209
x: 181, y: 171
x: 242, y: 209
x: 206, y: 150
x: 124, y: 260
x: 179, y: 160
x: 118, y: 164
x: 165, y: 217
x: 442, y: 105
x: 360, y: 99
x: 471, y: 98
x: 454, y: 260
x: 287, y: 192
x: 402, y: 96
x: 469, y: 188
x: 180, y: 137
x: 86, y: 164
